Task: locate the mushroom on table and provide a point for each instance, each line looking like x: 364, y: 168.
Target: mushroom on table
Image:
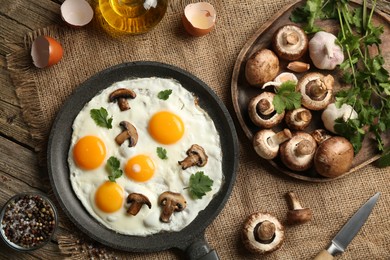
x: 297, y: 214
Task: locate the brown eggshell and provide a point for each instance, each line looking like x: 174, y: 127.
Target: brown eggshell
x: 46, y: 51
x: 199, y: 18
x: 76, y: 13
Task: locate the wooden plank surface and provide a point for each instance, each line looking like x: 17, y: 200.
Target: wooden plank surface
x: 19, y: 170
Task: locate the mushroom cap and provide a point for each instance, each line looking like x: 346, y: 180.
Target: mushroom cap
x: 298, y: 119
x: 307, y: 101
x: 334, y: 157
x: 121, y: 93
x: 290, y: 42
x: 264, y: 121
x: 298, y: 152
x: 249, y: 233
x: 139, y: 198
x: 261, y: 67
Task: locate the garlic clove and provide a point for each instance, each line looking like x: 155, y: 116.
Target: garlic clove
x: 199, y: 18
x: 46, y: 51
x: 76, y: 13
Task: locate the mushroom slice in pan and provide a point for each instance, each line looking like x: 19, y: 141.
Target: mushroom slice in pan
x: 196, y: 156
x: 290, y: 42
x: 262, y: 112
x: 129, y: 133
x: 298, y: 152
x: 121, y: 95
x: 170, y: 202
x: 316, y: 90
x: 262, y: 233
x: 136, y: 201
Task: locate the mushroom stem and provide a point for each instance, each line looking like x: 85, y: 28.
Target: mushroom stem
x: 293, y: 200
x: 303, y: 116
x: 264, y: 107
x: 279, y: 137
x: 291, y: 38
x: 304, y: 147
x: 316, y: 89
x: 265, y: 231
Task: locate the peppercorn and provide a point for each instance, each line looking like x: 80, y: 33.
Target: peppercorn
x: 28, y: 221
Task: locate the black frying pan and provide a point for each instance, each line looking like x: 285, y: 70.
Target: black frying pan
x: 190, y: 239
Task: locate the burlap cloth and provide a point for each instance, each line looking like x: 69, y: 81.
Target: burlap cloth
x: 258, y: 186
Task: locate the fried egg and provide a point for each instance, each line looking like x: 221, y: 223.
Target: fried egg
x: 174, y: 125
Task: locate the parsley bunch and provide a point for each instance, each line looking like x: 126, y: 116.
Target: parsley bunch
x: 369, y: 93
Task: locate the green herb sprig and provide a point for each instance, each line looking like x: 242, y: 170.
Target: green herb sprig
x: 199, y: 184
x: 113, y: 166
x: 164, y: 94
x: 100, y: 116
x: 369, y: 93
x: 286, y: 97
x: 162, y: 153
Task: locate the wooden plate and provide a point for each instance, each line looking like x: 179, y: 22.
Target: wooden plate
x: 242, y: 92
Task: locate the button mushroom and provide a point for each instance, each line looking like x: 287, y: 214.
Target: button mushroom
x: 261, y: 67
x: 121, y: 95
x: 262, y: 233
x: 170, y: 202
x: 196, y: 157
x: 266, y: 142
x: 129, y: 133
x: 316, y: 90
x: 136, y: 201
x: 333, y: 157
x: 262, y: 112
x: 290, y: 42
x: 298, y: 119
x: 298, y: 152
x: 297, y: 214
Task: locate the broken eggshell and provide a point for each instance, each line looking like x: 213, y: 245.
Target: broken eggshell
x: 199, y: 18
x: 76, y: 13
x: 46, y: 51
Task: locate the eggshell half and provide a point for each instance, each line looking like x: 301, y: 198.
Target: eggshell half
x: 46, y: 51
x: 76, y: 13
x: 199, y: 18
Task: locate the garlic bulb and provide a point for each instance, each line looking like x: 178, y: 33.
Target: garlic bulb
x: 324, y: 52
x: 331, y: 113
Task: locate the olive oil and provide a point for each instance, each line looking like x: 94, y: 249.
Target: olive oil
x: 131, y: 16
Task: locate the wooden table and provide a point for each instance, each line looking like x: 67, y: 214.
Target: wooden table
x: 19, y: 169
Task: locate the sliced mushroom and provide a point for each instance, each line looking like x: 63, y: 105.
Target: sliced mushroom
x: 298, y: 119
x: 262, y: 233
x: 297, y: 214
x: 298, y: 152
x: 196, y: 156
x: 170, y: 202
x: 121, y: 95
x: 137, y: 200
x: 290, y: 42
x: 316, y: 90
x: 129, y: 133
x: 262, y: 112
x: 266, y: 142
x: 334, y: 157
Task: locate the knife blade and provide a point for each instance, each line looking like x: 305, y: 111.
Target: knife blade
x: 348, y: 231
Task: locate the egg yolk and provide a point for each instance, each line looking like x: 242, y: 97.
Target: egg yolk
x: 109, y: 197
x: 89, y: 152
x: 166, y: 127
x: 140, y: 168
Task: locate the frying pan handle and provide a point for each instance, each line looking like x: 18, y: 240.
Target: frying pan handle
x: 200, y: 250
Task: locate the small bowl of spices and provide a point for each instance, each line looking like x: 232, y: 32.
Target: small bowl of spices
x: 28, y: 221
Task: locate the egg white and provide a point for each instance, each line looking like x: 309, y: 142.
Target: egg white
x: 168, y: 176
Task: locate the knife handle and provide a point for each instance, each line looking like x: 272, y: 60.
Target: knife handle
x: 324, y: 255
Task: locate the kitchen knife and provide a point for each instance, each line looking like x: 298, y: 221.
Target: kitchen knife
x: 348, y: 231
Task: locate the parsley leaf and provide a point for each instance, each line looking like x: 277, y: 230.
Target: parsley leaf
x: 286, y: 97
x: 384, y: 161
x: 113, y: 166
x: 164, y: 94
x: 199, y: 185
x: 100, y: 116
x: 162, y: 153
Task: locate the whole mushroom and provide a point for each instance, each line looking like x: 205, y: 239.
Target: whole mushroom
x: 262, y: 111
x: 298, y: 152
x: 290, y: 42
x: 334, y: 157
x: 262, y: 233
x: 316, y: 90
x: 261, y: 67
x: 298, y: 119
x: 297, y: 214
x: 266, y: 142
